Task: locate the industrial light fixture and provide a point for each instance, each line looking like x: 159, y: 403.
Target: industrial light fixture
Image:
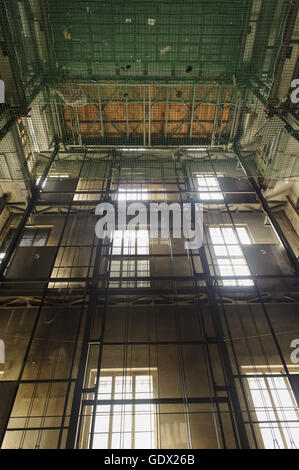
x: 133, y: 150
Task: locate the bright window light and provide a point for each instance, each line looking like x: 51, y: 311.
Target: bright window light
x: 229, y: 259
x: 44, y: 183
x: 54, y: 175
x: 130, y: 242
x: 276, y: 410
x: 33, y: 135
x: 137, y: 194
x: 208, y: 187
x: 125, y: 426
x: 133, y: 150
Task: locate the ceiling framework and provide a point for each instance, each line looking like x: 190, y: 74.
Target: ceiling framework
x: 148, y: 114
x: 151, y: 73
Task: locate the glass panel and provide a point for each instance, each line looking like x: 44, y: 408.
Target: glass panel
x: 216, y: 236
x: 273, y: 402
x: 102, y: 422
x: 27, y: 238
x: 272, y: 438
x: 123, y: 385
x: 122, y: 418
x: 105, y: 385
x: 144, y: 422
x: 216, y: 196
x: 291, y: 435
x: 205, y: 196
x: 144, y: 440
x: 229, y: 236
x: 220, y: 250
x: 100, y: 441
x: 243, y: 235
x: 121, y: 441
x: 144, y: 383
x: 41, y: 237
x: 234, y: 250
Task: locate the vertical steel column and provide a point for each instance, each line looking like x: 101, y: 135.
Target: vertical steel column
x: 144, y: 120
x: 149, y: 115
x: 101, y: 112
x: 192, y: 112
x: 127, y: 113
x: 72, y: 437
x: 166, y: 113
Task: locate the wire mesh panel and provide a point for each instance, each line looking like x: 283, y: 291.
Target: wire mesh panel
x: 132, y: 341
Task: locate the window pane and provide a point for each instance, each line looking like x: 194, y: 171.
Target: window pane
x: 229, y: 283
x: 105, y: 385
x: 256, y: 383
x: 234, y: 250
x: 102, y: 423
x: 261, y: 398
x: 241, y: 271
x: 144, y: 440
x: 123, y: 385
x: 212, y: 181
x: 282, y: 398
x: 220, y: 250
x: 122, y: 418
x: 27, y: 238
x: 100, y: 441
x: 224, y: 261
x: 121, y: 441
x: 216, y: 196
x: 216, y: 236
x: 41, y: 237
x: 226, y: 271
x: 229, y: 236
x: 144, y: 383
x: 243, y: 235
x: 245, y: 282
x: 144, y: 422
x: 205, y: 196
x: 292, y: 436
x: 239, y: 261
x: 272, y: 438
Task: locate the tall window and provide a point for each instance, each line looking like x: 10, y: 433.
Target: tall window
x: 30, y: 237
x: 275, y: 410
x: 130, y: 242
x: 208, y: 187
x: 228, y: 258
x: 125, y: 426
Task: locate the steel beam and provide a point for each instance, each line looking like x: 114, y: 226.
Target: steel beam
x: 149, y: 116
x: 192, y: 112
x: 101, y: 111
